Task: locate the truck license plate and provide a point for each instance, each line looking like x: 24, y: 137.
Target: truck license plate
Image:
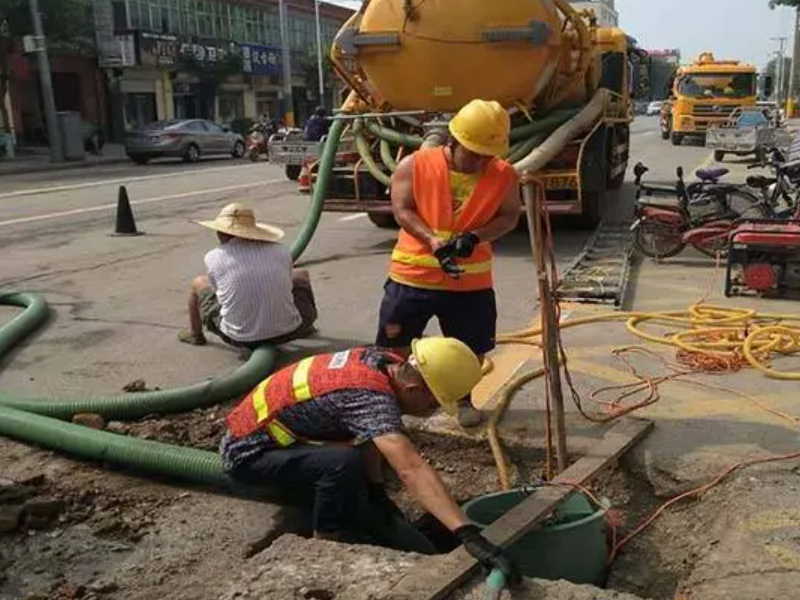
x: 561, y: 183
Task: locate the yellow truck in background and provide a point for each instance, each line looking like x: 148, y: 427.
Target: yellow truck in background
x: 705, y: 94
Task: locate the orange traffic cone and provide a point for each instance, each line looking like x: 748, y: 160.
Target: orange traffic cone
x: 304, y: 181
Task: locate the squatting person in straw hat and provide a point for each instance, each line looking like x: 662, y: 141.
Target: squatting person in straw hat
x: 250, y: 294
x: 322, y: 428
x: 451, y: 202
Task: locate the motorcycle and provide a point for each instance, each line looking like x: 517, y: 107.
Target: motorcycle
x: 257, y: 141
x: 703, y: 216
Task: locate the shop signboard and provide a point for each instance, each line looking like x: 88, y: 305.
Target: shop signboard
x: 158, y: 49
x: 260, y: 60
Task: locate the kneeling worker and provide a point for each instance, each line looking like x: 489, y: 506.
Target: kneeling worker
x: 325, y: 424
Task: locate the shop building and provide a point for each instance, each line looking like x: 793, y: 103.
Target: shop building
x: 215, y: 59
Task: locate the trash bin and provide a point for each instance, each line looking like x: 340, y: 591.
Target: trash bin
x: 69, y: 126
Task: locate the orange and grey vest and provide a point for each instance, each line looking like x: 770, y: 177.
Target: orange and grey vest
x: 412, y: 261
x: 310, y: 378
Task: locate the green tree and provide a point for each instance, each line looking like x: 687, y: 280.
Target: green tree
x: 68, y: 27
x: 774, y: 3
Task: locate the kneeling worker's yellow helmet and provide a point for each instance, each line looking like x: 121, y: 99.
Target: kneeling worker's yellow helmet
x: 450, y: 369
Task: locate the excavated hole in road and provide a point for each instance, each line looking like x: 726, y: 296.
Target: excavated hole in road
x: 651, y: 566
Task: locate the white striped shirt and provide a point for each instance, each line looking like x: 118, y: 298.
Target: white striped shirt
x: 253, y: 283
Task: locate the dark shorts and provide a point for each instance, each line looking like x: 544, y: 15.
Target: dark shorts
x: 303, y: 299
x: 468, y: 316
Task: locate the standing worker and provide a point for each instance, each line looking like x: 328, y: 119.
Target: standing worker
x: 451, y: 202
x: 317, y: 125
x: 323, y: 426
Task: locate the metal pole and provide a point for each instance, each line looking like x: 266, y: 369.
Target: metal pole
x: 319, y: 58
x: 288, y: 110
x: 56, y: 151
x: 790, y: 103
x: 548, y: 321
x: 781, y: 68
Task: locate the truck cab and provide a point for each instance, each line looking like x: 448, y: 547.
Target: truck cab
x: 706, y: 93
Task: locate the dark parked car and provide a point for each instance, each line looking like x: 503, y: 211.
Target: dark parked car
x: 188, y: 139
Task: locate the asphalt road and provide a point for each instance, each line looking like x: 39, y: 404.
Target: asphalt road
x: 119, y: 301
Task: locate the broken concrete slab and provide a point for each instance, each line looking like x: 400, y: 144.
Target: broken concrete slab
x: 296, y: 567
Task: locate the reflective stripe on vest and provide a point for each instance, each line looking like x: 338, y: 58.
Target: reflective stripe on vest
x: 428, y: 260
x: 413, y: 262
x: 310, y: 378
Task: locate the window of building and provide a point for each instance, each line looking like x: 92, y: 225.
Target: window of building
x: 119, y: 15
x: 205, y: 18
x: 237, y: 32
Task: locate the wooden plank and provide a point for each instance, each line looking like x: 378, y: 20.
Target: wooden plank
x: 443, y: 575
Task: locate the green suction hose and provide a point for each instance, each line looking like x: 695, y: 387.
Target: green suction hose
x: 547, y: 123
x: 386, y: 156
x: 188, y: 464
x: 25, y: 322
x: 495, y: 584
x: 326, y: 163
x: 394, y: 137
x: 365, y: 153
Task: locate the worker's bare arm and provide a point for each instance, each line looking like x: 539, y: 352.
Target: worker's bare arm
x: 404, y: 207
x: 505, y: 219
x: 420, y: 479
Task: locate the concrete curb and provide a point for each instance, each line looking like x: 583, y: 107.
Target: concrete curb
x: 61, y: 167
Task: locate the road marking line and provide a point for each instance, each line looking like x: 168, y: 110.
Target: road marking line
x: 78, y: 186
x: 77, y: 211
x: 352, y: 217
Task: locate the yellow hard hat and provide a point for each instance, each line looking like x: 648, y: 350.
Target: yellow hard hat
x: 483, y: 127
x: 450, y: 369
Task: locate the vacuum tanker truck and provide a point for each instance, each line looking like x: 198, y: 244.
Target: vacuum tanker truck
x: 411, y: 65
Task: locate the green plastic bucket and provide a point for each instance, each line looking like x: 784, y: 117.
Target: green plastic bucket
x: 570, y: 545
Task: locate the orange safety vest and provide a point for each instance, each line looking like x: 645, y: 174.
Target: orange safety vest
x: 310, y: 378
x: 413, y: 263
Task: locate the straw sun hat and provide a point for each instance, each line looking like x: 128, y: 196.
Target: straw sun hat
x: 239, y: 221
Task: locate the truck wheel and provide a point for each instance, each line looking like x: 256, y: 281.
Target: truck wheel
x: 383, y: 220
x: 719, y: 156
x: 677, y: 139
x: 621, y: 135
x: 293, y: 172
x: 591, y: 211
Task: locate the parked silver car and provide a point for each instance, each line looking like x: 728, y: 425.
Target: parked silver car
x: 189, y: 139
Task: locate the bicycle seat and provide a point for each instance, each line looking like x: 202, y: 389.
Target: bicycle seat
x: 711, y: 174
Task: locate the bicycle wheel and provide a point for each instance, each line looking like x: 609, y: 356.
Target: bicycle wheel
x: 747, y: 206
x: 658, y: 240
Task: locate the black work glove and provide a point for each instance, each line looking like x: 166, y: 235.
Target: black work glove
x: 447, y: 260
x: 465, y: 244
x: 486, y: 553
x: 379, y: 499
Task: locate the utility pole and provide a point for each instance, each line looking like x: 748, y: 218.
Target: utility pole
x: 56, y: 153
x: 319, y: 58
x: 781, y: 68
x: 791, y: 101
x: 288, y: 110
